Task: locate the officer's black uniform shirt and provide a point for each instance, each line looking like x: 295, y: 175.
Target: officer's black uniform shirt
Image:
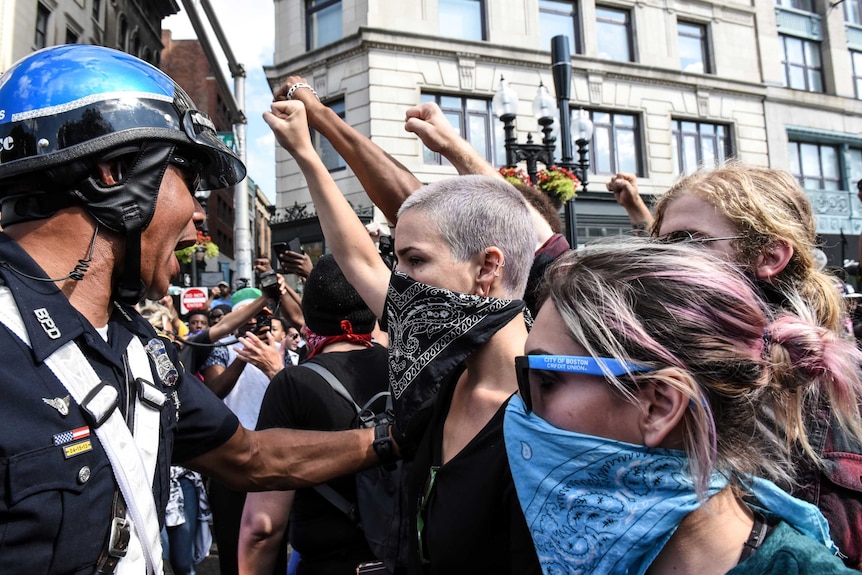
x: 56, y: 492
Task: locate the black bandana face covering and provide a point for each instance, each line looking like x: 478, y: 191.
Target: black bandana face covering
x: 431, y: 332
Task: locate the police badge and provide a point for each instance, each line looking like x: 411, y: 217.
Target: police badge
x: 166, y: 370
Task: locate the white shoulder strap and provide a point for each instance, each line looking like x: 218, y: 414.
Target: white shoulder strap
x: 131, y: 472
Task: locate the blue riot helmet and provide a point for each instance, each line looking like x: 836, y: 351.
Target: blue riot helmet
x: 66, y: 108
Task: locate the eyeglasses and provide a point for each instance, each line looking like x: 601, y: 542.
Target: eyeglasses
x: 293, y: 335
x: 685, y: 236
x: 569, y: 364
x: 423, y: 505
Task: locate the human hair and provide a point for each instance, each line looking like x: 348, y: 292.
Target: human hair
x: 698, y: 322
x: 285, y: 325
x: 765, y: 205
x: 202, y: 312
x: 542, y: 204
x: 158, y: 315
x: 473, y: 213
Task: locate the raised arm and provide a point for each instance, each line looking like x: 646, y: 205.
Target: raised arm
x: 386, y: 181
x: 429, y: 123
x: 231, y: 321
x: 345, y: 234
x: 625, y: 189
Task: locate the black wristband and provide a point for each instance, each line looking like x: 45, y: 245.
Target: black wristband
x: 383, y: 446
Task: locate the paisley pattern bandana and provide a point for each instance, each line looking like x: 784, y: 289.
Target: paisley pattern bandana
x: 432, y: 331
x: 595, y: 505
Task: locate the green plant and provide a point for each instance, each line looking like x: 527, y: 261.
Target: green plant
x: 210, y: 249
x: 558, y: 183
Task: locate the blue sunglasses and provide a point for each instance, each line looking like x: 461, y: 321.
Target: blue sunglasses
x: 568, y: 364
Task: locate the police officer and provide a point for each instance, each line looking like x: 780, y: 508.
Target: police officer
x: 100, y: 154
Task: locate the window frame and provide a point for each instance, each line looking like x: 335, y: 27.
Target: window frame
x: 809, y: 5
x: 493, y: 136
x: 679, y: 137
x: 853, y: 12
x: 704, y: 40
x: 613, y: 141
x: 43, y: 19
x: 310, y: 27
x: 321, y: 144
x: 788, y: 66
x: 628, y: 26
x: 856, y: 72
x: 483, y: 21
x: 801, y: 177
x: 575, y: 37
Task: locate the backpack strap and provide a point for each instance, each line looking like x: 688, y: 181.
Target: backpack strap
x: 325, y: 491
x: 333, y: 382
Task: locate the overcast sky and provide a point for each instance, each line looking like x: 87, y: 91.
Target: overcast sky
x: 249, y: 27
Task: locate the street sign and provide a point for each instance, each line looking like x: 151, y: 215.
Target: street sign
x: 227, y: 139
x: 192, y: 298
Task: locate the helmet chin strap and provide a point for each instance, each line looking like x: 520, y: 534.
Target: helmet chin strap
x: 131, y: 288
x: 143, y: 176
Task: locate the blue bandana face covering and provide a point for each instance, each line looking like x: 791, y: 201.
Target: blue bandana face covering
x: 596, y: 505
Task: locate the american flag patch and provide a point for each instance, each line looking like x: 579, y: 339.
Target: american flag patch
x: 71, y: 435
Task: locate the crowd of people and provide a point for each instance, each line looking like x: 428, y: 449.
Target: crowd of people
x: 682, y: 400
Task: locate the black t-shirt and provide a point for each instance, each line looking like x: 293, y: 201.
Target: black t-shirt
x: 473, y: 520
x: 299, y: 398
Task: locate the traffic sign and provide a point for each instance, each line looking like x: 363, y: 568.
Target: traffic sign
x: 192, y: 298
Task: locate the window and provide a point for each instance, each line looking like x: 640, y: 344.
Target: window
x: 322, y: 22
x: 802, y: 67
x: 42, y: 16
x: 327, y: 153
x: 473, y: 119
x: 853, y: 12
x: 123, y: 34
x: 697, y: 144
x: 97, y: 9
x: 803, y: 5
x: 614, y: 33
x: 816, y: 166
x: 135, y: 44
x: 616, y: 145
x: 693, y: 49
x: 856, y: 58
x: 462, y: 19
x: 558, y: 19
x: 71, y: 37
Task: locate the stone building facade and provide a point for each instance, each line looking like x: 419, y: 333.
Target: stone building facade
x: 668, y: 84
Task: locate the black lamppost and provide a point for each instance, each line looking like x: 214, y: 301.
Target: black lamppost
x: 584, y: 136
x: 505, y: 106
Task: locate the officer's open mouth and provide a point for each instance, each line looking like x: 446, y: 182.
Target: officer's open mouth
x: 184, y: 244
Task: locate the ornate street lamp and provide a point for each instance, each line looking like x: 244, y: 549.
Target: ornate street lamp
x: 584, y: 137
x: 505, y: 107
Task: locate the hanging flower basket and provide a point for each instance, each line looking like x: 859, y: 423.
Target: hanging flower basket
x: 204, y: 245
x: 558, y: 183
